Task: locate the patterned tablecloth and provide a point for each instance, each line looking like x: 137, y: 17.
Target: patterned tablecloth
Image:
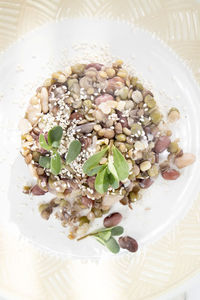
x: 27, y: 273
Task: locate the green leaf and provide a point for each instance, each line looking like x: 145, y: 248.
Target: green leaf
x: 55, y: 163
x: 120, y: 164
x: 118, y: 230
x: 95, y: 170
x: 100, y: 240
x: 105, y: 235
x: 113, y: 181
x: 101, y: 181
x: 111, y: 167
x: 113, y: 176
x: 54, y: 136
x: 43, y: 143
x: 44, y: 161
x: 112, y: 245
x: 73, y: 152
x: 93, y: 161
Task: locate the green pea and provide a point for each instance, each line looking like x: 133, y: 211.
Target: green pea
x: 36, y: 156
x: 134, y: 81
x: 123, y: 93
x: 128, y: 146
x: 139, y: 87
x: 153, y: 171
x: 97, y: 212
x: 83, y: 220
x: 87, y: 104
x: 133, y: 196
x: 150, y: 102
x: 121, y: 137
x: 70, y: 82
x: 78, y: 68
x: 136, y: 128
x: 156, y: 116
x: 173, y: 147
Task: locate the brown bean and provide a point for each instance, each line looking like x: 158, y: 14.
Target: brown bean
x: 85, y: 128
x: 146, y: 183
x: 87, y: 201
x: 122, y: 120
x: 109, y: 133
x: 85, y: 142
x: 118, y: 128
x: 162, y: 144
x: 90, y: 181
x: 45, y: 214
x: 37, y: 191
x: 127, y: 242
x: 146, y: 92
x: 185, y: 160
x: 170, y: 174
x: 76, y: 116
x: 112, y: 220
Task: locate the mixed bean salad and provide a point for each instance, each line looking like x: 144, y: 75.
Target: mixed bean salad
x: 92, y: 136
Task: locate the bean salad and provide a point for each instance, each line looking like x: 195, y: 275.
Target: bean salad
x: 94, y: 136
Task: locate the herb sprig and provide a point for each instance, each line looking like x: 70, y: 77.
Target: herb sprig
x: 53, y: 162
x: 109, y: 174
x: 105, y: 236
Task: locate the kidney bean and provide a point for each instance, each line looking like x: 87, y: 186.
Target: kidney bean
x: 103, y: 98
x: 170, y: 174
x: 162, y: 144
x: 127, y: 242
x: 87, y: 201
x: 114, y: 84
x: 112, y: 220
x: 37, y: 191
x: 145, y: 183
x: 94, y: 65
x: 185, y: 160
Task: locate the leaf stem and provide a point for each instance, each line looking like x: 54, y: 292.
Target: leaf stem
x: 89, y: 234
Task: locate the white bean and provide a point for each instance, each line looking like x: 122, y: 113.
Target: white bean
x: 185, y: 160
x: 33, y: 113
x: 24, y: 126
x: 44, y: 100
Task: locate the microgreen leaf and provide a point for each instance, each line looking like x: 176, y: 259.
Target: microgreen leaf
x: 100, y: 240
x: 73, y: 152
x: 95, y: 170
x: 101, y: 181
x: 93, y: 161
x: 112, y: 176
x: 112, y: 245
x: 105, y: 235
x: 113, y: 181
x: 55, y: 163
x: 54, y: 136
x: 43, y: 143
x: 120, y: 164
x: 118, y: 230
x: 44, y: 161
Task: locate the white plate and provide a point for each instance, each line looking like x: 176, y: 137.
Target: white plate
x: 24, y: 67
